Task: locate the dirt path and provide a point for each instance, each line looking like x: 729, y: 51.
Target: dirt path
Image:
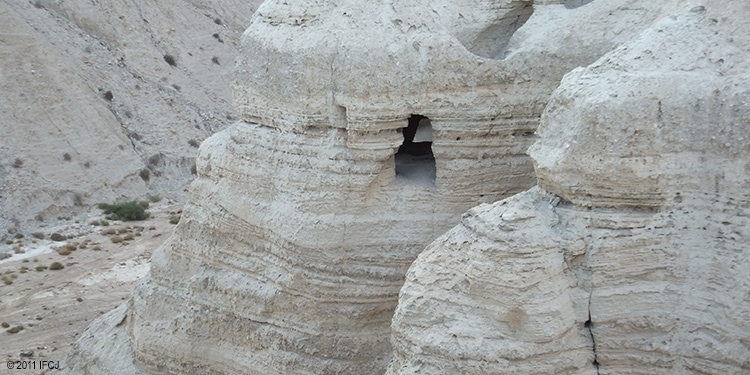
x: 53, y: 307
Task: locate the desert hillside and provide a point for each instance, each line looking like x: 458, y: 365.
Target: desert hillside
x: 109, y: 100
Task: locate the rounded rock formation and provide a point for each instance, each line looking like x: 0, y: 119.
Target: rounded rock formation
x: 630, y: 257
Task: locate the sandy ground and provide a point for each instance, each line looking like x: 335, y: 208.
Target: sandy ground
x: 55, y: 306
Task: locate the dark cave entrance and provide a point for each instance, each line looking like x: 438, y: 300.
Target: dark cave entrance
x: 414, y: 159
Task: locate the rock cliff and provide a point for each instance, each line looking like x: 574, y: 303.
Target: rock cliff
x: 93, y: 111
x: 365, y: 131
x: 631, y: 255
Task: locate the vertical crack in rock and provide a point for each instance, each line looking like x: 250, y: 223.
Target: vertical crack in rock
x: 590, y: 326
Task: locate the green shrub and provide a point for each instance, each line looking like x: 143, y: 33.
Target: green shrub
x: 104, y: 223
x: 125, y: 211
x: 174, y: 219
x: 154, y: 198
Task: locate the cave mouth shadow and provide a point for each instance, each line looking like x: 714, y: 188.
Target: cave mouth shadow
x: 414, y: 159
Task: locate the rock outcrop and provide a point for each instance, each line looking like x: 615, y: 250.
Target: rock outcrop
x: 306, y: 214
x: 366, y: 129
x: 631, y: 255
x: 92, y: 110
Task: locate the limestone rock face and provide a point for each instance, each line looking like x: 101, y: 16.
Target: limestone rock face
x: 631, y: 255
x: 305, y: 215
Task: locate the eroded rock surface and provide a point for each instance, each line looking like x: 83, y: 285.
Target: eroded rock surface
x: 631, y: 255
x: 306, y: 214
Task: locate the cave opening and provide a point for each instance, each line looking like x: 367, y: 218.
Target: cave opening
x: 414, y: 159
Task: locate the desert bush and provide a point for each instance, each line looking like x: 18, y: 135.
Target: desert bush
x: 56, y: 266
x: 38, y: 235
x: 40, y: 268
x: 104, y: 223
x: 4, y: 325
x: 9, y: 242
x: 125, y: 211
x: 217, y: 21
x: 109, y: 231
x: 194, y: 143
x: 169, y: 59
x: 18, y: 163
x: 67, y: 157
x: 66, y: 249
x: 15, y: 329
x: 117, y: 239
x: 145, y: 174
x: 57, y: 237
x: 215, y: 60
x: 128, y: 237
x: 108, y: 95
x: 174, y: 219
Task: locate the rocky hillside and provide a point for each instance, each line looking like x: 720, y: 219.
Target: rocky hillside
x: 109, y: 100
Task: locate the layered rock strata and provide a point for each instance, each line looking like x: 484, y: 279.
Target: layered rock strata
x: 631, y: 255
x: 306, y: 214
